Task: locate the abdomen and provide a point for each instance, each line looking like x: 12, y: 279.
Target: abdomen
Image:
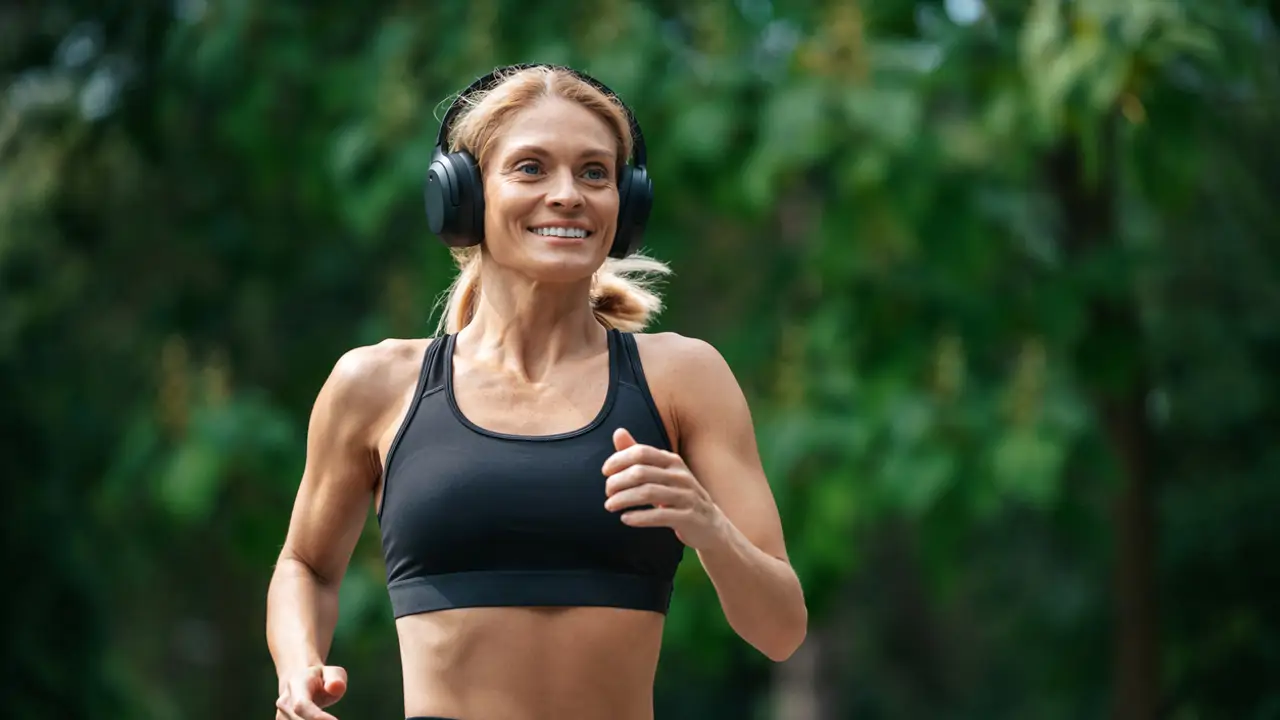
x: 531, y: 663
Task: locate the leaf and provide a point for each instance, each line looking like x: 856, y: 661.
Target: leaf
x: 191, y: 481
x: 134, y: 458
x: 352, y: 148
x: 891, y: 116
x: 1026, y: 466
x: 914, y: 481
x: 791, y: 137
x: 704, y: 130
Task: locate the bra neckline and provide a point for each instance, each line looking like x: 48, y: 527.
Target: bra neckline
x: 605, y: 408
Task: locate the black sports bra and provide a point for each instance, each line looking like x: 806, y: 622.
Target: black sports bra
x: 472, y: 517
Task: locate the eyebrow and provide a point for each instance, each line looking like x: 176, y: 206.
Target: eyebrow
x: 594, y: 152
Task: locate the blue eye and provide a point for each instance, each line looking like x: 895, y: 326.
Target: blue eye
x: 528, y: 168
x: 596, y: 174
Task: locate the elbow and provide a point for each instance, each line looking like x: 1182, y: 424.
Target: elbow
x: 789, y: 639
x: 783, y: 650
x: 292, y: 564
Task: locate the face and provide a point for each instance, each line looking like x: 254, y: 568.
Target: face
x: 551, y: 192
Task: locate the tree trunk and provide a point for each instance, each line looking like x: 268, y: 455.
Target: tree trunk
x: 1135, y: 670
x: 1114, y: 370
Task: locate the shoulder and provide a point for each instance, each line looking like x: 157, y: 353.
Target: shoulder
x: 367, y: 380
x: 689, y: 376
x: 367, y: 366
x: 678, y: 355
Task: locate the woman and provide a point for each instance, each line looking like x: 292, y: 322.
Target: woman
x: 539, y: 467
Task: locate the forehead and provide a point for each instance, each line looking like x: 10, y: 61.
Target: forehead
x: 558, y: 126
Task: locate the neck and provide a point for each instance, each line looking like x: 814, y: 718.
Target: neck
x: 525, y: 326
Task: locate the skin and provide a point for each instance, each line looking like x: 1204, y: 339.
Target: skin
x: 535, y: 361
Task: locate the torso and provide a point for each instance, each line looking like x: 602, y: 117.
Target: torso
x: 527, y: 662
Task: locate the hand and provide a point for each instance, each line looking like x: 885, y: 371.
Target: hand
x: 644, y: 475
x: 305, y: 692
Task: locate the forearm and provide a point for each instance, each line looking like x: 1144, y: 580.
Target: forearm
x: 760, y: 594
x: 302, y: 612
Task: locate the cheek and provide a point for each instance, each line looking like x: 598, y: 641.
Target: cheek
x: 500, y: 195
x: 505, y: 203
x: 607, y: 204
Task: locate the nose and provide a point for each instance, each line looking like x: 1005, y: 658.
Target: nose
x: 563, y: 190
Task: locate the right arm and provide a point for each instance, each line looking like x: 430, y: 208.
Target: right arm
x: 329, y: 513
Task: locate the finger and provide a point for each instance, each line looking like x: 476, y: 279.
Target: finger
x: 638, y: 455
x: 283, y: 703
x: 638, y: 475
x: 302, y: 708
x: 622, y: 439
x: 651, y: 494
x: 654, y: 517
x: 310, y: 711
x: 313, y: 681
x: 633, y: 476
x: 290, y: 708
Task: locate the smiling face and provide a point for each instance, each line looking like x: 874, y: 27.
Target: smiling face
x: 551, y: 192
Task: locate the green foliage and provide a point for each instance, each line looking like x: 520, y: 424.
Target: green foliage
x: 916, y: 240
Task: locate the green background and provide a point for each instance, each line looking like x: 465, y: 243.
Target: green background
x: 1000, y: 278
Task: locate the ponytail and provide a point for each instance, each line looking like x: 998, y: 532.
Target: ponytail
x: 623, y: 294
x: 464, y: 294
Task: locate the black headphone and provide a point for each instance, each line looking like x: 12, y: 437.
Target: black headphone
x: 455, y: 193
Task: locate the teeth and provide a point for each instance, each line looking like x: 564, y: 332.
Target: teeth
x: 561, y: 232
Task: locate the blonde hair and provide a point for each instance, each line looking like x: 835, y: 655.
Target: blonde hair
x: 622, y: 292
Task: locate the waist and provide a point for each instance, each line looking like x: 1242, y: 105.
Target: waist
x: 530, y: 663
x: 529, y: 588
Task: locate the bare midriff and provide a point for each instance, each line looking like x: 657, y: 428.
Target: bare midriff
x: 530, y: 663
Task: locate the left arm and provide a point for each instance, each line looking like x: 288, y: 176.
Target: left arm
x: 715, y: 496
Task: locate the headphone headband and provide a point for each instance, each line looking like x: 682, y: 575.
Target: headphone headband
x: 639, y: 155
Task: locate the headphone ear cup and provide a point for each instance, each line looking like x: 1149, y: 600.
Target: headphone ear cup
x: 455, y: 199
x: 635, y: 200
x: 472, y: 196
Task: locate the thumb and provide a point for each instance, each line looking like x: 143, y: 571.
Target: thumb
x: 335, y: 681
x: 622, y: 439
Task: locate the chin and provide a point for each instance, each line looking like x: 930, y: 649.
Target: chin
x: 562, y: 261
x: 561, y: 269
